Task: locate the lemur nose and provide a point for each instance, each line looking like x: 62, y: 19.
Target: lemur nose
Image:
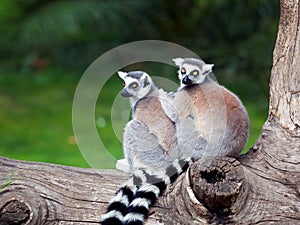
x: 125, y: 93
x: 186, y: 80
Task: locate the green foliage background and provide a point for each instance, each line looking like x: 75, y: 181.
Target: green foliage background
x: 45, y: 46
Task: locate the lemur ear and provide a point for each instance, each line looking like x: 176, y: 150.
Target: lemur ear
x: 145, y: 80
x: 178, y: 61
x: 207, y: 69
x: 122, y: 74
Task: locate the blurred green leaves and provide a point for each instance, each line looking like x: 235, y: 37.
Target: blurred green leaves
x: 237, y: 35
x: 44, y: 28
x: 62, y: 21
x: 9, y: 10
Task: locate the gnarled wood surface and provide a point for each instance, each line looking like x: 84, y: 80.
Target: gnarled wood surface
x: 285, y: 77
x: 261, y: 187
x: 56, y: 194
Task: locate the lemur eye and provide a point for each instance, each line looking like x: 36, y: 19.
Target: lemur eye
x: 134, y: 85
x: 183, y: 71
x: 124, y: 84
x: 195, y: 73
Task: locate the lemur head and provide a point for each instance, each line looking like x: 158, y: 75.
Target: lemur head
x: 137, y: 84
x: 192, y: 70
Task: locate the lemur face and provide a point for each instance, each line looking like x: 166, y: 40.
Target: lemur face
x: 192, y: 71
x: 137, y: 84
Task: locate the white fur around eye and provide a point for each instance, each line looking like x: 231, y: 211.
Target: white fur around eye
x: 189, y: 68
x: 130, y: 80
x: 195, y: 73
x: 134, y: 85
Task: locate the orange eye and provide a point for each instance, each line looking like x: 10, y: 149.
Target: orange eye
x: 195, y: 72
x: 183, y: 71
x: 133, y: 85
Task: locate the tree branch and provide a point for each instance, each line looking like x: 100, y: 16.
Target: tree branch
x: 55, y: 194
x: 221, y: 191
x: 285, y: 77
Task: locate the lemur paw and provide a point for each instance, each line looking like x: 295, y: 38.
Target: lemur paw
x: 123, y: 165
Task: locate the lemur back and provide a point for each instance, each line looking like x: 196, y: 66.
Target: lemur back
x: 150, y: 147
x: 150, y: 112
x: 219, y: 117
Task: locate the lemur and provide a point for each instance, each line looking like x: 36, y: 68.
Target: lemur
x: 150, y: 148
x: 210, y: 120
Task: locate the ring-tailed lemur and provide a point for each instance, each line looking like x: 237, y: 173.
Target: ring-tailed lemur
x: 150, y: 147
x: 210, y: 120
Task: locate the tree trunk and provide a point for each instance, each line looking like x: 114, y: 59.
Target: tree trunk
x: 261, y: 187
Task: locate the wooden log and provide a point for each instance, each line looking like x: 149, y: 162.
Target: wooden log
x: 53, y: 194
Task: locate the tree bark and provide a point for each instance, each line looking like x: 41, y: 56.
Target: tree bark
x: 261, y: 187
x: 285, y: 76
x: 53, y: 194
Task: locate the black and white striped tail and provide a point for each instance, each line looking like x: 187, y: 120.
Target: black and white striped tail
x: 150, y: 190
x: 118, y: 205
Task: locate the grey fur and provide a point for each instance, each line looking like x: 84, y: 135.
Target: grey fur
x: 194, y: 61
x: 135, y: 74
x: 210, y: 119
x: 150, y: 148
x: 147, y: 140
